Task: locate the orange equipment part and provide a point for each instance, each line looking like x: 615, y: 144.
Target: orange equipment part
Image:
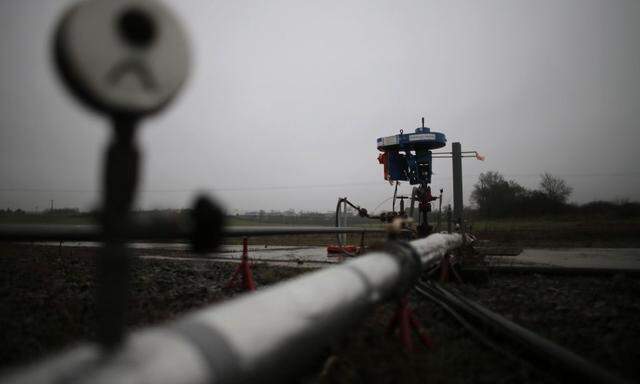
x: 383, y: 159
x: 336, y: 249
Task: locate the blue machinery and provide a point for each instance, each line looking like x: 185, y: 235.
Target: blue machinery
x: 408, y: 157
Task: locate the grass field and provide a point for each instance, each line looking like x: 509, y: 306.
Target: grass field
x: 78, y: 219
x: 560, y: 232
x: 547, y: 223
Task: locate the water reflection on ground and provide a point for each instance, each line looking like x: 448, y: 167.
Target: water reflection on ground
x: 314, y: 256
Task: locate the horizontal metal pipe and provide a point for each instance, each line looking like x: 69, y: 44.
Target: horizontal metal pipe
x: 38, y: 232
x: 156, y: 230
x: 270, y: 231
x: 273, y: 334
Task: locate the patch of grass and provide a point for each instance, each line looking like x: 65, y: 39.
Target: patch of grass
x: 78, y: 219
x: 560, y: 232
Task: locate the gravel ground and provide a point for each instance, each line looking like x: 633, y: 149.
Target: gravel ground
x: 46, y: 302
x: 370, y: 355
x: 598, y: 317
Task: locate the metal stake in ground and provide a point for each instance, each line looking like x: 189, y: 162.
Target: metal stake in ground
x: 405, y: 320
x: 125, y: 59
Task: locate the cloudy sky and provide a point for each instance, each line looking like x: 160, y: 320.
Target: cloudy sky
x: 286, y: 99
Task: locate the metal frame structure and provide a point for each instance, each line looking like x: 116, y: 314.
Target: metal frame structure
x: 457, y: 154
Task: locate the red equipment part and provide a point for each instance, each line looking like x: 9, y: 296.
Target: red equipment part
x: 425, y: 198
x: 336, y: 249
x: 405, y: 320
x: 382, y: 159
x: 244, y: 269
x: 445, y: 267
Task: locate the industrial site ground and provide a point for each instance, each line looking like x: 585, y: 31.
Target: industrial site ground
x: 46, y: 302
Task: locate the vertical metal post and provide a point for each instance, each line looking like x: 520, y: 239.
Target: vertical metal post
x: 439, y: 210
x: 119, y: 183
x: 343, y: 223
x: 413, y: 203
x: 247, y: 276
x: 161, y: 63
x: 456, y: 154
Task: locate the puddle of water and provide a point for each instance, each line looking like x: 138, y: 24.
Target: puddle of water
x: 258, y: 252
x: 623, y: 258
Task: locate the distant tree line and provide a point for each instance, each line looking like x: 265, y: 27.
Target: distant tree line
x: 496, y: 197
x: 55, y: 211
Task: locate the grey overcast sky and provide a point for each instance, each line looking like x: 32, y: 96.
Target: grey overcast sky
x: 286, y: 99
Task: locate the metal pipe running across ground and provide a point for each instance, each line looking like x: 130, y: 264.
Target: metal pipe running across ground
x: 157, y: 230
x: 554, y: 359
x: 273, y: 334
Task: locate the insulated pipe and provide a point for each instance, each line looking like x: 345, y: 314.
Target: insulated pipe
x: 156, y: 230
x: 273, y: 334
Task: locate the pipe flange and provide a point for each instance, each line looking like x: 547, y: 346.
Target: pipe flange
x: 410, y: 264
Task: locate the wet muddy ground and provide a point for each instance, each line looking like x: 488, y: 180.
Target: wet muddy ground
x: 46, y: 302
x: 316, y: 256
x: 598, y: 318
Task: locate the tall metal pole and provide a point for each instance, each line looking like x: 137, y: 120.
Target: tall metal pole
x: 456, y: 152
x: 439, y: 210
x: 120, y: 179
x: 343, y: 223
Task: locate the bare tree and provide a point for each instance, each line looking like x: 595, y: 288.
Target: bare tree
x: 555, y: 188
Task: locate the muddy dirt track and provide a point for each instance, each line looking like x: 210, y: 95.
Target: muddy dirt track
x: 46, y: 302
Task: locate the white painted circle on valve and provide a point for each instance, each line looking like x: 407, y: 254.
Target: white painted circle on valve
x: 122, y: 56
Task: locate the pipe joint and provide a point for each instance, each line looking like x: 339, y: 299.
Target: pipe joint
x: 409, y: 261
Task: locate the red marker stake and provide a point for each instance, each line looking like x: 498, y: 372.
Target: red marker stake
x: 244, y: 270
x: 405, y: 320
